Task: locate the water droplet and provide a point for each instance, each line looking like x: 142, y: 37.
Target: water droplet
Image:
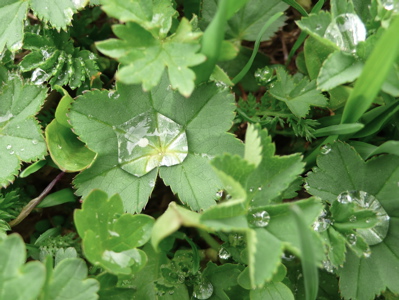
x: 35, y: 142
x: 325, y: 149
x: 251, y: 190
x: 259, y: 219
x: 90, y: 116
x: 22, y: 149
x: 264, y: 75
x: 224, y: 254
x: 367, y: 253
x: 203, y: 290
x: 321, y: 224
x: 259, y: 188
x: 143, y: 142
x: 352, y: 218
x: 39, y: 76
x: 346, y: 31
x: 4, y: 118
x: 318, y: 27
x: 12, y: 152
x: 219, y: 194
x: 364, y: 200
x: 328, y: 266
x: 59, y: 146
x: 388, y: 4
x: 289, y: 257
x: 368, y: 220
x: 164, y: 137
x: 8, y: 147
x: 351, y: 238
x: 345, y: 197
x: 179, y: 68
x: 221, y: 86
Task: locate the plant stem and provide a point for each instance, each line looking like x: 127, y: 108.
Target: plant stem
x: 33, y: 203
x: 209, y: 239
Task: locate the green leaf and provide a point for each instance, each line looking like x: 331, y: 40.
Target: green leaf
x: 343, y: 170
x: 155, y: 15
x: 339, y: 68
x: 67, y: 152
x: 20, y: 135
x: 12, y: 15
x: 15, y: 274
x: 186, y: 170
x: 224, y: 281
x: 36, y: 166
x: 315, y: 54
x: 62, y: 196
x: 248, y: 21
x: 147, y: 279
x: 110, y: 237
x: 309, y: 266
x: 55, y: 60
x: 338, y: 129
x: 374, y: 73
x: 171, y: 220
x: 298, y: 94
x: 60, y: 15
x: 176, y: 53
x: 272, y: 291
x: 68, y: 281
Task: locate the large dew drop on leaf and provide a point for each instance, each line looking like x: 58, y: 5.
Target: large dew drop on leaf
x: 346, y: 30
x: 150, y: 140
x: 376, y: 234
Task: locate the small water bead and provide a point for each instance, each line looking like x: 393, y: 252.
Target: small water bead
x: 367, y: 253
x: 8, y: 147
x: 322, y: 224
x: 351, y: 238
x: 203, y: 290
x: 219, y: 194
x: 259, y: 219
x: 345, y: 197
x: 352, y: 218
x: 259, y: 188
x: 264, y: 75
x: 251, y: 190
x: 327, y: 265
x: 12, y: 152
x: 325, y: 149
x: 35, y: 142
x: 224, y: 253
x: 59, y: 147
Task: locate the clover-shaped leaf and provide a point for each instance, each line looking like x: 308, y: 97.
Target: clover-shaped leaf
x: 110, y: 237
x: 343, y: 176
x: 20, y: 136
x: 137, y: 134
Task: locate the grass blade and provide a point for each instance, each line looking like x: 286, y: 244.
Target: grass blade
x: 309, y: 268
x: 373, y: 75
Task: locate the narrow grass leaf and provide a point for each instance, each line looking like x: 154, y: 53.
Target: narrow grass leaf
x: 374, y: 74
x: 309, y: 267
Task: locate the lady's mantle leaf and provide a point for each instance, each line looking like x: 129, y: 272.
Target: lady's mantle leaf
x: 14, y: 274
x: 12, y: 14
x: 144, y: 57
x: 20, y: 135
x: 343, y: 170
x: 58, y: 13
x: 134, y: 132
x: 68, y: 281
x: 110, y: 237
x: 153, y: 15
